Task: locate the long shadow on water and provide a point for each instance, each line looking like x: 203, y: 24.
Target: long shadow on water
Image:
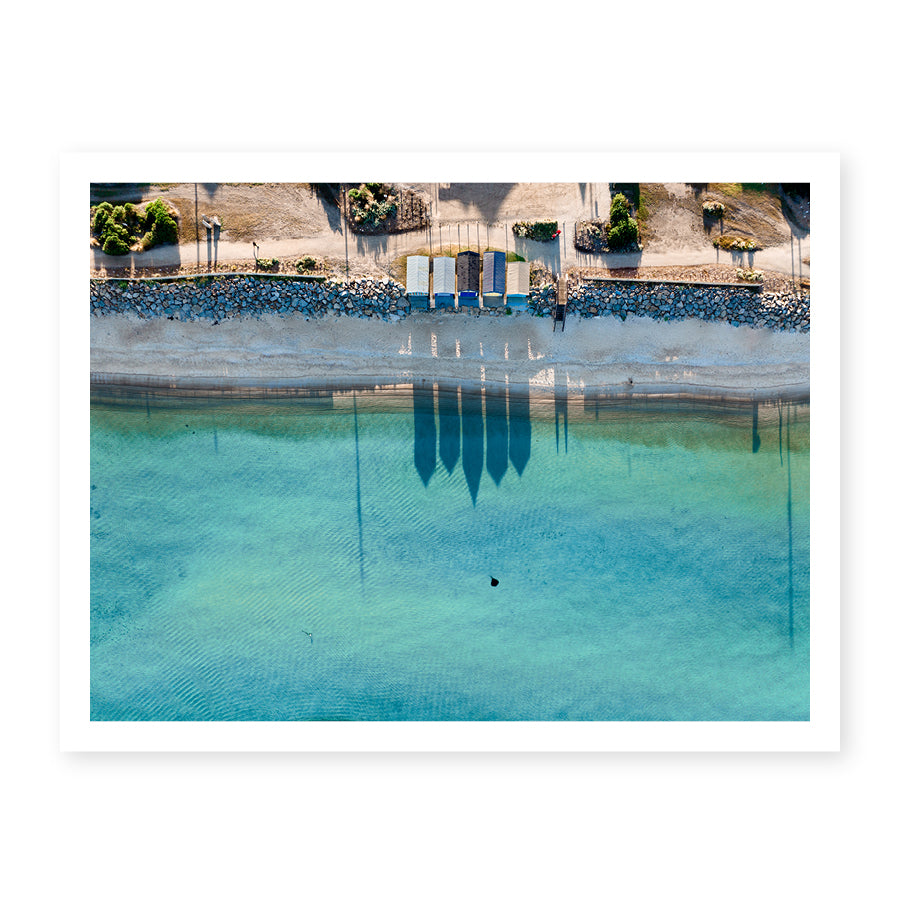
x: 561, y: 411
x: 469, y: 420
x: 448, y: 415
x: 519, y: 432
x: 497, y: 426
x: 472, y: 440
x: 425, y: 451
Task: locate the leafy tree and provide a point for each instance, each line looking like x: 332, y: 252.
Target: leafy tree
x: 622, y: 229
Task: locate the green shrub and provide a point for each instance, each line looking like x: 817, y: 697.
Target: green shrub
x: 163, y: 228
x: 114, y: 245
x: 714, y: 208
x: 619, y: 210
x: 101, y: 217
x: 536, y: 231
x: 306, y: 264
x: 749, y: 275
x: 133, y: 219
x: 267, y: 264
x: 164, y: 231
x: 622, y: 235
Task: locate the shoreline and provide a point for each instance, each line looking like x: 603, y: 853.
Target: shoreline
x: 603, y: 357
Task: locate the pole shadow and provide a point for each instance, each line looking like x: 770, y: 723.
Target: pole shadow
x: 561, y: 411
x: 756, y: 439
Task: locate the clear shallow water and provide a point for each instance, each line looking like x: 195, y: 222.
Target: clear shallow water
x: 652, y: 558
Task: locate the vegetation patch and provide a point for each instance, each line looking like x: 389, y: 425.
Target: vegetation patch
x: 118, y: 230
x: 714, y: 209
x: 622, y: 231
x: 267, y: 264
x: 305, y: 264
x: 377, y: 208
x: 728, y: 242
x: 590, y: 237
x: 371, y: 204
x: 536, y: 231
x: 620, y: 234
x: 749, y: 275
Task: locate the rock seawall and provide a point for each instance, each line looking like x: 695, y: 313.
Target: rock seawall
x: 217, y: 297
x: 735, y: 304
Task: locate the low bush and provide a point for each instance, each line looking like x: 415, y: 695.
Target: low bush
x: 163, y: 228
x: 620, y: 236
x: 371, y: 204
x: 267, y: 265
x: 101, y: 216
x: 749, y: 275
x: 114, y: 245
x: 727, y: 242
x: 714, y: 208
x: 536, y: 231
x: 306, y: 264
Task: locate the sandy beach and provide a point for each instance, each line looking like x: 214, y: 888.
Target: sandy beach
x: 607, y: 354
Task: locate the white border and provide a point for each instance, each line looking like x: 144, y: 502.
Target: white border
x: 77, y: 732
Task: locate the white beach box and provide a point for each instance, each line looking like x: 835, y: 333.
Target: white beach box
x: 417, y: 280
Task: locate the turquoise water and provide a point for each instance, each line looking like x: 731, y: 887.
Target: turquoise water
x: 330, y: 557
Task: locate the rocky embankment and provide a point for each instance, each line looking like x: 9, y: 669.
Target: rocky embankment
x: 779, y: 310
x: 218, y: 297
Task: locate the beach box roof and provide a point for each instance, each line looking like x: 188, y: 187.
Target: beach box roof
x: 468, y: 266
x: 494, y: 279
x: 444, y: 276
x: 517, y: 279
x: 417, y: 275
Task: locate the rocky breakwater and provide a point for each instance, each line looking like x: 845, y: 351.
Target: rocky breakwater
x: 735, y: 304
x: 219, y: 297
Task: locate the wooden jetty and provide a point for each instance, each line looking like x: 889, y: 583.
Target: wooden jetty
x: 559, y: 314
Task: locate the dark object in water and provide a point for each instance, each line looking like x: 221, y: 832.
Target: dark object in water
x: 494, y: 582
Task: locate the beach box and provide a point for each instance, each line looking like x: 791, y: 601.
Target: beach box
x: 417, y: 282
x: 493, y: 282
x: 444, y: 282
x: 468, y: 272
x: 518, y: 275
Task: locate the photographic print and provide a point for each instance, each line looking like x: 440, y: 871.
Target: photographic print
x: 464, y: 452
